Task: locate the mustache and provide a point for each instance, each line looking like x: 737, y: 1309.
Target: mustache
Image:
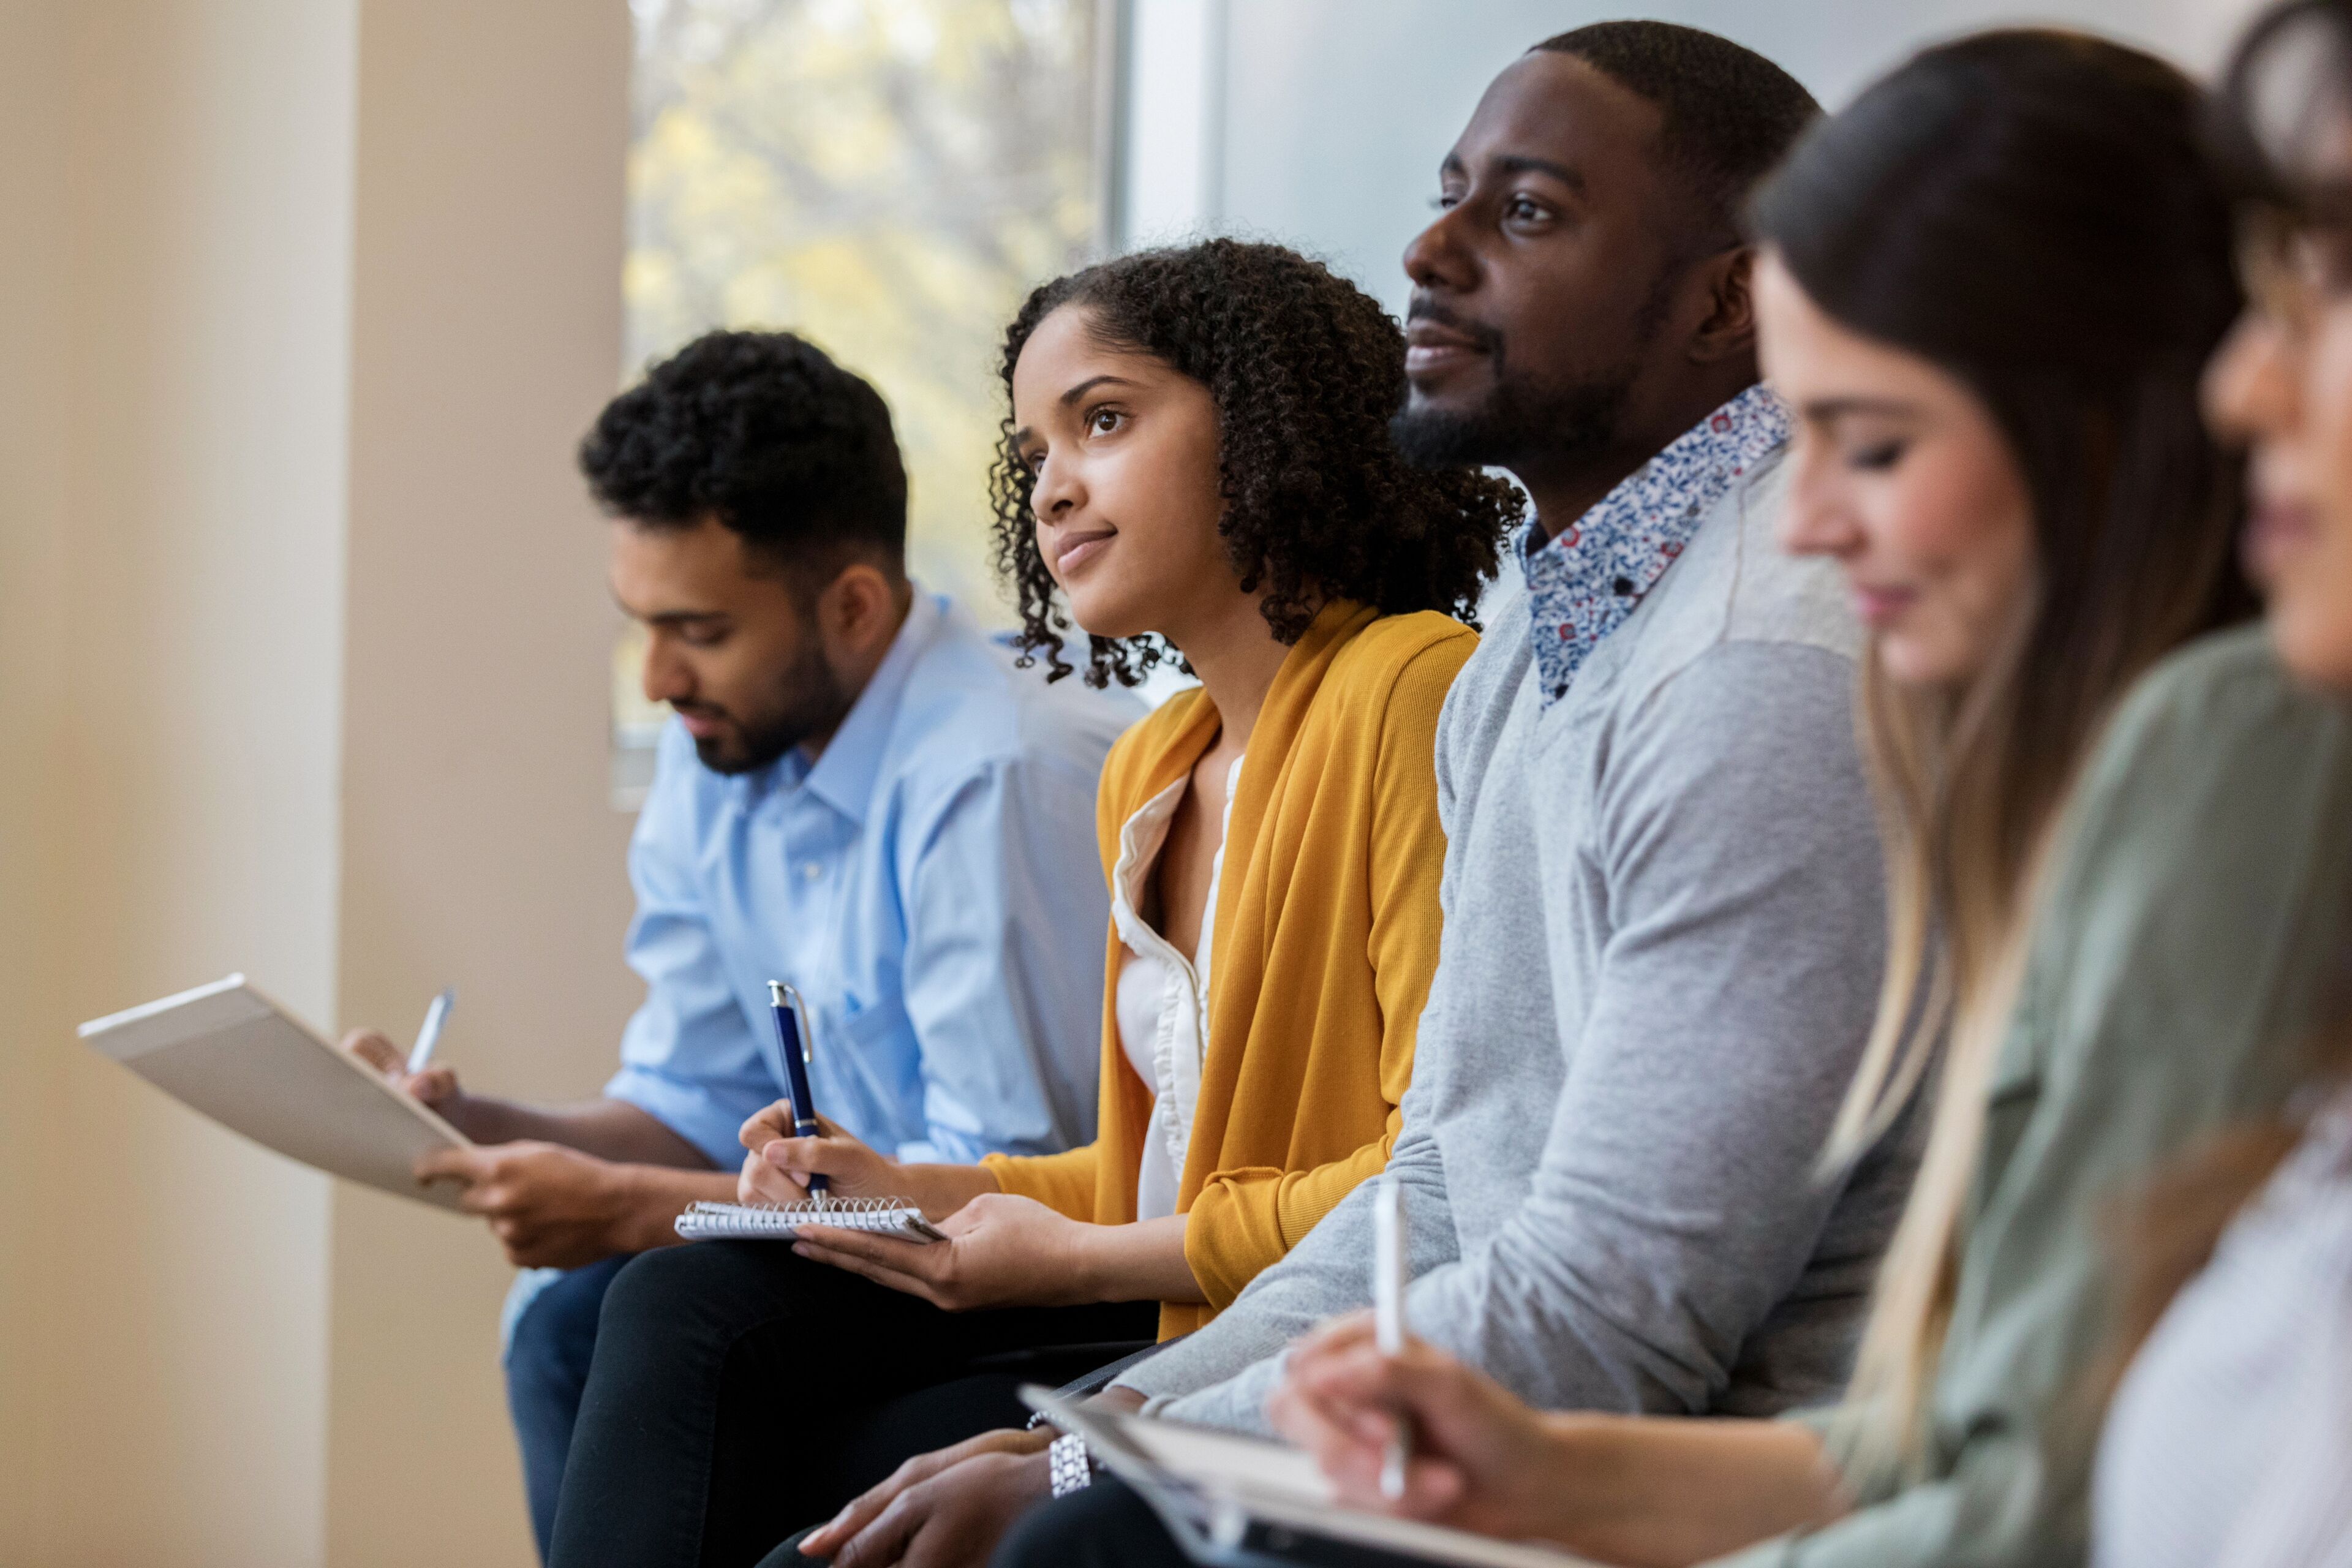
x: 1422, y: 307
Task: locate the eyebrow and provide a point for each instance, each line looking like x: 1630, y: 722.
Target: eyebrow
x: 1021, y: 437
x: 1828, y: 408
x: 671, y: 618
x: 1519, y: 163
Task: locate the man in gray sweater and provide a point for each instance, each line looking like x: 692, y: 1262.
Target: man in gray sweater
x: 1663, y: 889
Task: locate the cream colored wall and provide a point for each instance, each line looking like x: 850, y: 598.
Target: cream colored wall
x: 211, y: 757
x: 172, y: 400
x: 478, y: 848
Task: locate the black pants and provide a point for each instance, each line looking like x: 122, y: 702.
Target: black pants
x: 1109, y: 1526
x: 739, y: 1393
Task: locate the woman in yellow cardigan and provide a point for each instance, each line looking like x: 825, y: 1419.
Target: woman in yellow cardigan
x: 1198, y: 460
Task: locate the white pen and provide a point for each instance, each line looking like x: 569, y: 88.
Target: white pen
x: 1388, y: 1312
x: 429, y: 1036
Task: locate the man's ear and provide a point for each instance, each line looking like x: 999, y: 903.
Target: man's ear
x: 858, y: 611
x: 1728, y: 329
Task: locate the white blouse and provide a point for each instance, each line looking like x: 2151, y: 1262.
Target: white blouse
x: 1163, y: 1002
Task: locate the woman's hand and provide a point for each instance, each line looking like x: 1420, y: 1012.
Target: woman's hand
x: 1480, y: 1459
x: 778, y: 1166
x: 1000, y: 1251
x: 1635, y: 1490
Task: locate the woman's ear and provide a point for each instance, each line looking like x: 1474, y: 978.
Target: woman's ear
x: 1728, y: 328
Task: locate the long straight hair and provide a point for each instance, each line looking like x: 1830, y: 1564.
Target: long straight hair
x: 2028, y: 210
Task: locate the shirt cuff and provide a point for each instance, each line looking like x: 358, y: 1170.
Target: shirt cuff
x: 684, y: 1110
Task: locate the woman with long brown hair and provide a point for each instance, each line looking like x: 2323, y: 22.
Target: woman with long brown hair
x: 1989, y: 291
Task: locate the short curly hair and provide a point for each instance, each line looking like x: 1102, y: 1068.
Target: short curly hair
x: 764, y: 433
x: 1728, y: 113
x: 1305, y: 370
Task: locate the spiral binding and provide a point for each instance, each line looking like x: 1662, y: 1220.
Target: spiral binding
x: 853, y: 1214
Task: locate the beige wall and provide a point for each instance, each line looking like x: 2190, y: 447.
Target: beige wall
x: 173, y: 395
x: 478, y: 848
x: 213, y: 757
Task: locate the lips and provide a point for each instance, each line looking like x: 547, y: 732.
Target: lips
x: 700, y: 723
x: 1073, y: 549
x: 2276, y: 531
x: 1435, y: 338
x: 1879, y: 607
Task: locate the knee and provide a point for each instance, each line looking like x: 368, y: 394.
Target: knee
x: 703, y: 1288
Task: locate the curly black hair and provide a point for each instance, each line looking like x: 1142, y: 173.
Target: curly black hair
x: 1729, y: 114
x: 765, y: 433
x: 1305, y: 370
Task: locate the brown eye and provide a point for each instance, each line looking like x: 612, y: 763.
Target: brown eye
x: 1102, y: 421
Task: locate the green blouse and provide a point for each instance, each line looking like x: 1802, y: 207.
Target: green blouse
x: 2201, y: 910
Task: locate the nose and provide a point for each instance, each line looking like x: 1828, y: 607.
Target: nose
x: 1058, y: 490
x: 2252, y: 387
x: 1816, y: 518
x: 1438, y: 257
x: 667, y: 676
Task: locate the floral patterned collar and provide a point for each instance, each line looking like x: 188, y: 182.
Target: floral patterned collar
x: 1583, y: 584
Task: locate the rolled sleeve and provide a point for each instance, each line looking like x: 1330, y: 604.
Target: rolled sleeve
x: 1003, y: 966
x: 687, y: 1058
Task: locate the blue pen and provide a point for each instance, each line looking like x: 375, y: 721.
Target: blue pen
x: 792, y: 1033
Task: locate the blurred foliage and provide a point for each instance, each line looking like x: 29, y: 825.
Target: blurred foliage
x: 887, y: 178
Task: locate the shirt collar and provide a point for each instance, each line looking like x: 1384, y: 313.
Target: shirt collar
x: 1584, y: 583
x: 844, y: 773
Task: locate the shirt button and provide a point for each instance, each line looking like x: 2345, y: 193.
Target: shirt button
x: 811, y: 870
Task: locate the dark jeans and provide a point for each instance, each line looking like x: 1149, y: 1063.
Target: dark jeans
x: 740, y: 1393
x: 547, y: 1368
x: 1108, y: 1525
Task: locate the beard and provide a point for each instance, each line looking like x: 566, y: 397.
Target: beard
x: 1526, y: 415
x: 809, y: 701
x: 1515, y: 420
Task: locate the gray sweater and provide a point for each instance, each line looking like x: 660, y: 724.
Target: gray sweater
x: 1662, y: 939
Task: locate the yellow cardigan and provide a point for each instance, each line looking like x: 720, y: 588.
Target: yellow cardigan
x: 1326, y: 939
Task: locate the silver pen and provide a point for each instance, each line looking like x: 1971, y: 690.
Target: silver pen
x: 429, y: 1037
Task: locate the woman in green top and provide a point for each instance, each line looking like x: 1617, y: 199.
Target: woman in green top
x: 1987, y: 288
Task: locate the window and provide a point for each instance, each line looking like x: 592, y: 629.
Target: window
x: 886, y: 177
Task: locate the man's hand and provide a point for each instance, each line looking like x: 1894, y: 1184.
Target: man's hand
x: 1481, y: 1460
x: 1000, y: 1251
x: 952, y: 1517
x: 435, y: 1087
x: 553, y: 1208
x: 778, y: 1167
x: 854, y: 1521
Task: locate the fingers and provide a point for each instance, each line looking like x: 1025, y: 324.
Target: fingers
x: 864, y: 1509
x: 472, y: 1166
x: 433, y: 1085
x: 760, y: 1182
x: 1350, y: 1447
x: 371, y: 1048
x: 767, y: 1125
x: 884, y: 1540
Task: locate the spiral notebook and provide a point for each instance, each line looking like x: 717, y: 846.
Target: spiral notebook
x: 782, y: 1221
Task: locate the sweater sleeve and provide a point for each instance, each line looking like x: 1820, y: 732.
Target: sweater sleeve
x: 1729, y: 1006
x: 1243, y: 1221
x: 2176, y: 966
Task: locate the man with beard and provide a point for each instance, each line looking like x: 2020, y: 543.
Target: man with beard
x: 1662, y: 905
x: 860, y: 795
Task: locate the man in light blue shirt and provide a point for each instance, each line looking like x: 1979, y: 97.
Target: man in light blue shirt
x: 860, y: 794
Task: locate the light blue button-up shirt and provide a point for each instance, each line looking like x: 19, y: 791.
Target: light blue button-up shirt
x: 932, y: 887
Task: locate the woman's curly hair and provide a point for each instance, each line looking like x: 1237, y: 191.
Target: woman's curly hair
x: 1305, y: 370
